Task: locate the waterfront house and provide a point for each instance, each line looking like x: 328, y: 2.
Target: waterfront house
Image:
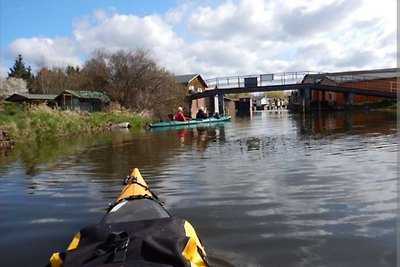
x: 89, y: 101
x: 195, y: 84
x: 379, y: 79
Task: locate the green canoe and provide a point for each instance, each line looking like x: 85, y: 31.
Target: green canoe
x: 189, y: 122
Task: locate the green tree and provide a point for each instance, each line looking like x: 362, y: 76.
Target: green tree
x: 19, y: 70
x: 236, y: 96
x: 48, y: 81
x: 70, y: 70
x: 56, y: 80
x: 277, y: 94
x: 74, y: 78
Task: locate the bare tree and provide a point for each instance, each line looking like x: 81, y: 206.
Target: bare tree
x: 75, y: 79
x: 131, y: 78
x: 135, y: 81
x: 56, y: 80
x: 94, y: 73
x: 12, y: 85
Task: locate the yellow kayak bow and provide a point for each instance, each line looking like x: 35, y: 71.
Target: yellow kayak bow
x: 136, y: 230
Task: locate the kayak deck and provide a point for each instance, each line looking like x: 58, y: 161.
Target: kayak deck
x: 140, y: 209
x: 145, y: 206
x: 135, y: 185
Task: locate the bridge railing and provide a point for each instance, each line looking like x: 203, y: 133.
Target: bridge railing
x: 258, y: 80
x: 297, y: 77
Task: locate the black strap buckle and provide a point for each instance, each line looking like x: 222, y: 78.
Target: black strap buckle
x: 121, y: 247
x: 128, y: 178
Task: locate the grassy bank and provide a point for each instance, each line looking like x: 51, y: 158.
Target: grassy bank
x: 29, y: 123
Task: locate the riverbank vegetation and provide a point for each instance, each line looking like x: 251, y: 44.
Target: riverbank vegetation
x: 39, y: 122
x: 132, y: 79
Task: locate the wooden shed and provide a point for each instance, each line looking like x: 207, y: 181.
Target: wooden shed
x: 90, y: 101
x: 25, y: 98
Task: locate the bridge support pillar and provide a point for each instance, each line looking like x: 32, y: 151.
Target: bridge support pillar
x: 306, y: 100
x: 221, y: 104
x: 348, y: 100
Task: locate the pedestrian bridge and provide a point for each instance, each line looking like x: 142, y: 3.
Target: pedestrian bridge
x: 306, y: 81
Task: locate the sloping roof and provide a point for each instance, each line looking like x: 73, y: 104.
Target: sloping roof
x: 354, y: 76
x: 390, y: 72
x: 187, y: 78
x: 88, y: 95
x: 27, y: 97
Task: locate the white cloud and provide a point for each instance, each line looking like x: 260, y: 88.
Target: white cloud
x: 3, y: 71
x: 232, y: 21
x: 175, y: 15
x: 114, y: 32
x: 276, y: 36
x: 123, y: 32
x: 40, y: 51
x: 235, y: 37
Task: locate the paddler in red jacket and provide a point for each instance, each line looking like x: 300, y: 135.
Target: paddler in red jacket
x: 180, y: 116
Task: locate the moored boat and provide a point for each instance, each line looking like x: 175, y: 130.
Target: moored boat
x: 189, y: 122
x: 136, y: 231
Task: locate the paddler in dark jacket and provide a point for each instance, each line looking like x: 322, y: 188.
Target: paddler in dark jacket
x: 201, y: 114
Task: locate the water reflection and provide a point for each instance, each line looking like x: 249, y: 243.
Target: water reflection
x: 196, y: 137
x: 275, y: 189
x: 355, y: 122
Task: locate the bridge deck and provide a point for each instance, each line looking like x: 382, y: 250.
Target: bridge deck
x: 293, y: 81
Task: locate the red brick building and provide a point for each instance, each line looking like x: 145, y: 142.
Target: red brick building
x: 194, y: 84
x: 381, y: 79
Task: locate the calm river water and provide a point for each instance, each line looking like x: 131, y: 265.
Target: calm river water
x: 274, y: 189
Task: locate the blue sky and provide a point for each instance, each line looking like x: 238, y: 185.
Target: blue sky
x: 213, y: 38
x: 24, y: 18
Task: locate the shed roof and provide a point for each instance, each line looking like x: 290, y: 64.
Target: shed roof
x: 27, y: 97
x: 88, y: 95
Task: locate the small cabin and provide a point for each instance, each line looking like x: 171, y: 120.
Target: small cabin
x: 90, y: 101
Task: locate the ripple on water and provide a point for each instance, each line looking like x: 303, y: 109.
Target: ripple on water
x: 276, y: 188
